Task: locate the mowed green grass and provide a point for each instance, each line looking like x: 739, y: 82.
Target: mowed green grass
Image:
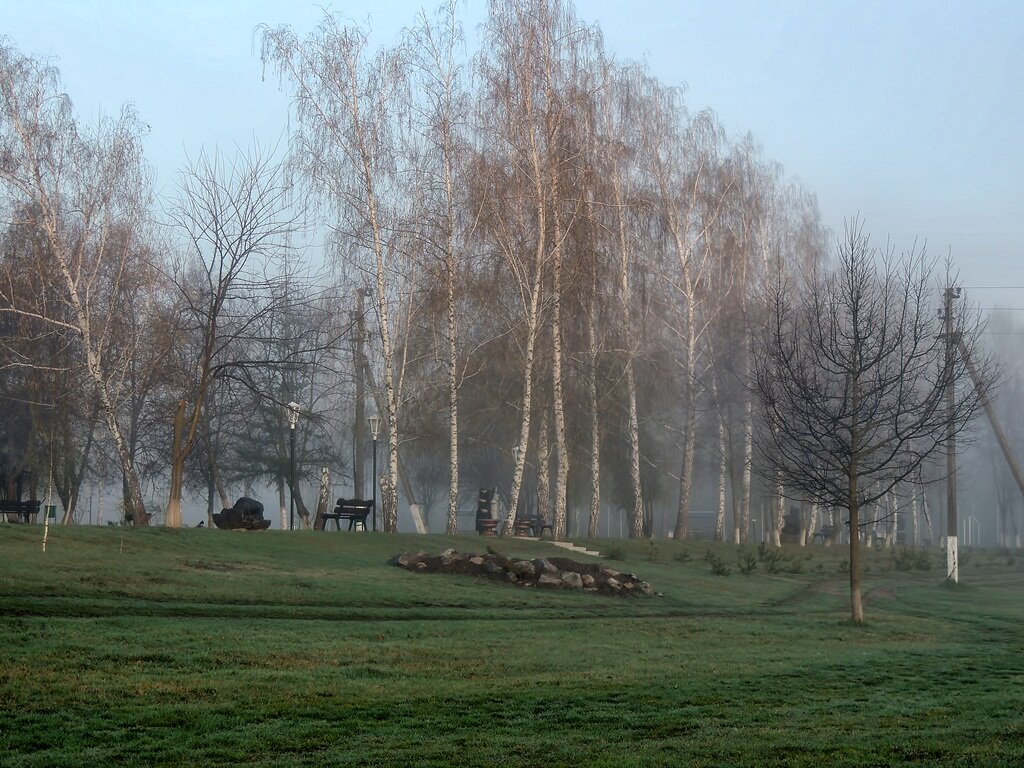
x: 215, y: 648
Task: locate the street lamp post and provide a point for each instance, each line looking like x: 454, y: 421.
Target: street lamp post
x: 374, y: 431
x: 293, y: 419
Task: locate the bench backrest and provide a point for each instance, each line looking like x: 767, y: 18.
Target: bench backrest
x: 357, y: 506
x: 13, y: 505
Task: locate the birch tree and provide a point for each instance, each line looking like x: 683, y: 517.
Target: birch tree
x: 680, y: 153
x: 442, y: 123
x: 620, y: 136
x: 88, y: 190
x: 346, y: 102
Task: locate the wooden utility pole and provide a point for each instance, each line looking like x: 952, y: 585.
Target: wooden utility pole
x: 952, y: 566
x: 997, y: 429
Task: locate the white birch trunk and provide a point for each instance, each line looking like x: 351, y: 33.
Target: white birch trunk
x: 723, y: 470
x: 595, y: 418
x: 544, y: 469
x: 682, y: 527
x: 524, y: 422
x: 748, y: 457
x: 533, y: 314
x: 894, y: 510
x: 812, y: 525
x: 778, y: 514
x: 561, y: 446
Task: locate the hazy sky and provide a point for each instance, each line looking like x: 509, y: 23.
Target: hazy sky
x: 907, y: 113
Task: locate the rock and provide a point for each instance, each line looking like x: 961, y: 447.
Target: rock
x: 543, y: 565
x: 557, y: 572
x: 450, y: 556
x: 524, y: 568
x: 547, y: 580
x: 572, y: 580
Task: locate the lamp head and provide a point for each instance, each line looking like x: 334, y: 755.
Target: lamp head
x: 374, y: 425
x: 293, y: 413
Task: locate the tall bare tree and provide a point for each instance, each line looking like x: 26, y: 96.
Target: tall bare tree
x: 88, y: 192
x: 236, y: 219
x: 349, y: 105
x: 852, y: 375
x: 442, y: 125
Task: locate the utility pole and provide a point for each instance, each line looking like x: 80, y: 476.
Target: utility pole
x: 993, y: 420
x: 952, y: 565
x: 358, y: 329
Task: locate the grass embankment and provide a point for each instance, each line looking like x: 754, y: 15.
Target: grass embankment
x: 200, y: 647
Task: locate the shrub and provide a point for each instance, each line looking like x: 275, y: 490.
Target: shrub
x: 718, y: 568
x: 774, y: 561
x: 747, y: 564
x: 615, y: 552
x: 652, y: 554
x: 912, y: 559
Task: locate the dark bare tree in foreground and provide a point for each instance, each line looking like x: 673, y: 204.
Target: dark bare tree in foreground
x: 852, y: 376
x: 236, y: 221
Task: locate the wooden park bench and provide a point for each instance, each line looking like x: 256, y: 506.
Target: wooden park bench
x: 20, y: 511
x: 354, y: 510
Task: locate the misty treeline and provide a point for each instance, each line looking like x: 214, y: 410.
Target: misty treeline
x: 545, y: 270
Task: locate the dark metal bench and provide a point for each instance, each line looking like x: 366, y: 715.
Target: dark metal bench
x: 825, y: 534
x: 20, y: 511
x: 532, y: 526
x: 354, y: 510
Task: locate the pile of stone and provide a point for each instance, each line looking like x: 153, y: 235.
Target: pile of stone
x: 549, y: 572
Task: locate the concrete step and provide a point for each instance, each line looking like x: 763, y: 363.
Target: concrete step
x: 575, y: 548
x: 563, y: 545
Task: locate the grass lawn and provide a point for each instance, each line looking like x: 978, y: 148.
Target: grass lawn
x: 216, y: 648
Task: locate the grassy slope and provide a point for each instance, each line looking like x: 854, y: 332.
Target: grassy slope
x: 159, y: 647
